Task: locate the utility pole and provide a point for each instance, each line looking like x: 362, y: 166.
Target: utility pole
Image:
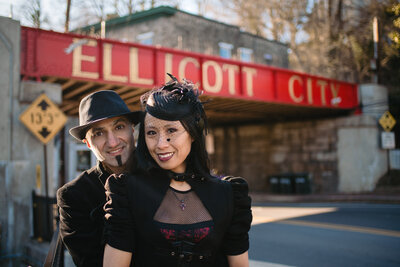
x: 375, y: 59
x: 66, y: 29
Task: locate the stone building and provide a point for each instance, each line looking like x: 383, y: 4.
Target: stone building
x: 170, y: 27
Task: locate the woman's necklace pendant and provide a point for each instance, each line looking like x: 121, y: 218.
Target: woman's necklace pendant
x: 182, y: 205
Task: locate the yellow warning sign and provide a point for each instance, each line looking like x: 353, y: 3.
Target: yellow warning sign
x: 43, y: 118
x: 387, y: 121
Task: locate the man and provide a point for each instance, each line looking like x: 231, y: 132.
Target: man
x: 106, y: 126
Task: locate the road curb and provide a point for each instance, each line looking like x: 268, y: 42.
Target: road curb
x: 366, y: 198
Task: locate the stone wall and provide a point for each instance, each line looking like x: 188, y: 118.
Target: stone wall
x: 321, y: 148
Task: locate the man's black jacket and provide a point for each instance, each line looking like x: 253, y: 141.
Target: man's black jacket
x: 81, y: 204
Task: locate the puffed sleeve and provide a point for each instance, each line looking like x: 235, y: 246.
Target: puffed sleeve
x: 236, y: 240
x: 118, y: 217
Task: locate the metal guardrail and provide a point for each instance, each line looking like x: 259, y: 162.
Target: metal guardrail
x: 45, y: 213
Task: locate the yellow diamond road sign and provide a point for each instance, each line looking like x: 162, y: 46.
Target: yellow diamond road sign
x: 43, y: 118
x: 387, y: 121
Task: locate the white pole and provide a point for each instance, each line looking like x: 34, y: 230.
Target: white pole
x: 103, y: 29
x: 10, y: 15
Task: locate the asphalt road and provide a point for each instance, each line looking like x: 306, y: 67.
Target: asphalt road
x: 325, y: 235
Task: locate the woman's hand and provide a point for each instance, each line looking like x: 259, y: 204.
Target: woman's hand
x: 116, y: 257
x: 241, y: 260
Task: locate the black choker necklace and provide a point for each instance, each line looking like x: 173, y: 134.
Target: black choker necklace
x: 180, y: 177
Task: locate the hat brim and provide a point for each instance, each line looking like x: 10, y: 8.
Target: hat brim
x: 79, y: 132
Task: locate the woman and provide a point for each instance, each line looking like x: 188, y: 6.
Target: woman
x: 172, y: 211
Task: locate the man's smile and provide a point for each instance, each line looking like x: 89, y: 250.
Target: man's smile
x: 115, y: 151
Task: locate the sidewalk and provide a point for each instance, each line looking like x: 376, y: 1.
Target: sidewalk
x: 389, y: 196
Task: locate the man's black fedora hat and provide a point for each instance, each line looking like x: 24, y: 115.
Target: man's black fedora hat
x: 99, y: 106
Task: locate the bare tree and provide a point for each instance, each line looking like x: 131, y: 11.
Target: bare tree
x: 84, y: 13
x: 340, y: 38
x: 326, y: 37
x: 287, y: 19
x: 33, y: 13
x: 279, y: 20
x: 250, y: 14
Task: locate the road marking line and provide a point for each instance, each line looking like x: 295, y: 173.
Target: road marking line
x: 359, y: 229
x: 253, y: 263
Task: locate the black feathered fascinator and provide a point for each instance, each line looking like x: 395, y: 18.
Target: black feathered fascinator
x: 175, y: 101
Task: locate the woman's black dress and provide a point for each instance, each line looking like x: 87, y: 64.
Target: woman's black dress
x: 165, y: 227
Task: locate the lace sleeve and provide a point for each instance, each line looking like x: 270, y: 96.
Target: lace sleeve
x: 236, y: 240
x: 118, y: 218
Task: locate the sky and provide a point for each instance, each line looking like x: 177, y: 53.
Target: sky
x: 54, y: 10
x: 56, y: 18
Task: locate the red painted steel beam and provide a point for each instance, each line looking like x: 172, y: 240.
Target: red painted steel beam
x: 78, y: 57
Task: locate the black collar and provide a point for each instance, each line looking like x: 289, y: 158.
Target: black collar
x: 181, y: 177
x: 103, y: 174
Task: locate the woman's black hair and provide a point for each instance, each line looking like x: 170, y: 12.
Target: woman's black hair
x: 176, y: 101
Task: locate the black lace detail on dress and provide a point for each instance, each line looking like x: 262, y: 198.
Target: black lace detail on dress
x: 191, y: 223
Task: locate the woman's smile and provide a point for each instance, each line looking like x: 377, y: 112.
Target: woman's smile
x: 165, y: 156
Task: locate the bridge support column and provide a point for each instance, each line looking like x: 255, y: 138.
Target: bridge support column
x: 361, y: 160
x: 20, y: 152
